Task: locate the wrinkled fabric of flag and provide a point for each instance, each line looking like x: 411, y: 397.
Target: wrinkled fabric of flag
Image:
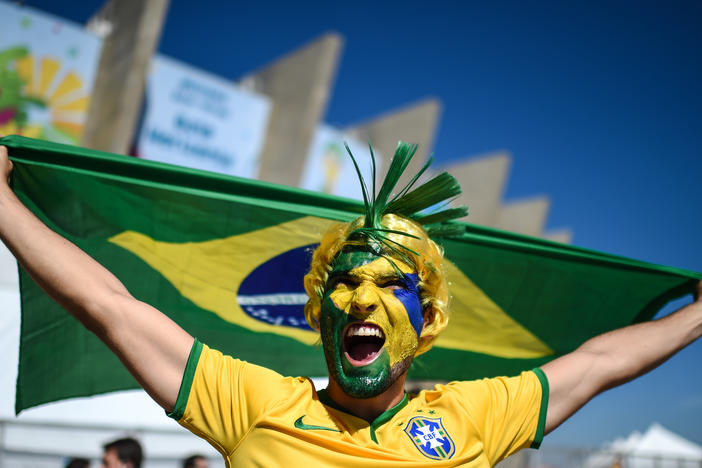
x: 224, y: 257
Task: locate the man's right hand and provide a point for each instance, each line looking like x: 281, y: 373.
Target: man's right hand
x: 5, y: 165
x: 152, y: 347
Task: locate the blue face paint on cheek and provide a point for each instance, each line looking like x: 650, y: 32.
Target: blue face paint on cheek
x: 409, y: 296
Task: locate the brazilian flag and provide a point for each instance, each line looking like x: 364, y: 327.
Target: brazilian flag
x: 224, y: 257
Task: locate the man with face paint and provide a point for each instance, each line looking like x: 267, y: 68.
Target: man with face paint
x: 371, y: 322
x: 374, y: 310
x: 378, y: 296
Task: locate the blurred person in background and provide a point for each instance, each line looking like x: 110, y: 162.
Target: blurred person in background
x: 78, y: 463
x: 196, y: 461
x: 122, y: 453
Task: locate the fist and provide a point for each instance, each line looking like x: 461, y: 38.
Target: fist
x: 5, y: 165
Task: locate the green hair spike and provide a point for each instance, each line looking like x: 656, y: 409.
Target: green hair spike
x: 408, y: 202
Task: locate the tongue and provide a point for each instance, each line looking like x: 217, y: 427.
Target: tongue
x: 363, y: 351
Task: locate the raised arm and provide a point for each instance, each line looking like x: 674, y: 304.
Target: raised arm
x: 152, y: 347
x: 617, y: 357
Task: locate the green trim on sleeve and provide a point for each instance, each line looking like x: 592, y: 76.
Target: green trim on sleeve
x: 187, y: 382
x: 539, y: 436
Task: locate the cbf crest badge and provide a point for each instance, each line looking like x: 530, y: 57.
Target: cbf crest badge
x: 430, y: 437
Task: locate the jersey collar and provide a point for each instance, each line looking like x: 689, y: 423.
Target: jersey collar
x: 377, y: 422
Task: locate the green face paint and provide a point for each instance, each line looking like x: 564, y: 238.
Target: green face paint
x: 368, y: 338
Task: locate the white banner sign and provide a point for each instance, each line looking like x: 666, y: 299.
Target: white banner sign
x: 196, y: 119
x: 329, y: 168
x: 47, y: 69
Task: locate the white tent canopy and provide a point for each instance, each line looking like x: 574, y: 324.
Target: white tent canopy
x: 657, y: 447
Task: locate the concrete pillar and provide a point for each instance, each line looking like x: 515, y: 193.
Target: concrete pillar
x: 524, y: 216
x: 299, y: 86
x: 564, y: 236
x: 483, y: 180
x: 131, y: 30
x: 416, y: 123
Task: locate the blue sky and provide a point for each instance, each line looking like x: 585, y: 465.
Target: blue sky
x: 599, y: 102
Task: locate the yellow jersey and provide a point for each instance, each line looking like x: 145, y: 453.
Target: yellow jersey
x: 255, y: 417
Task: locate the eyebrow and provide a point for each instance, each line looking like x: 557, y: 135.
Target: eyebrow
x: 335, y: 274
x: 391, y: 277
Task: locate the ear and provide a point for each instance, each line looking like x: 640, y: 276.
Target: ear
x: 429, y: 327
x: 315, y: 324
x: 429, y: 332
x: 313, y: 312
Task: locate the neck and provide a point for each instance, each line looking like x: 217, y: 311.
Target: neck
x: 368, y: 408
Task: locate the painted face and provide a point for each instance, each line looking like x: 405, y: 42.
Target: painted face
x: 370, y: 322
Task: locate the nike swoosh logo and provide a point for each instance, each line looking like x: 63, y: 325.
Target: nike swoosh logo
x: 306, y: 427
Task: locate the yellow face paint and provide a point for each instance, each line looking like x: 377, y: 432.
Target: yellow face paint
x: 366, y: 304
x: 372, y: 286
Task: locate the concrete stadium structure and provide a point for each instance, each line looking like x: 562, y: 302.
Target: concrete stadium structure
x: 300, y: 85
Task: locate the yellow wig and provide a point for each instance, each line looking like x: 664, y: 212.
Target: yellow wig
x: 427, y: 263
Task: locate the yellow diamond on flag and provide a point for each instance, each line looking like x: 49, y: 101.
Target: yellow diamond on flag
x: 209, y: 274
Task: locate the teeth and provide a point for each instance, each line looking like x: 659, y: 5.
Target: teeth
x: 364, y: 330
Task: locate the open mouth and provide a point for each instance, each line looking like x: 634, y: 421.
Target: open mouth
x: 363, y: 342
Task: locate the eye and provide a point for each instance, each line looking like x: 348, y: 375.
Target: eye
x: 335, y: 282
x: 394, y: 285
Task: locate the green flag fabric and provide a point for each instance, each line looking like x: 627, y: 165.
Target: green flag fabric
x: 224, y: 257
